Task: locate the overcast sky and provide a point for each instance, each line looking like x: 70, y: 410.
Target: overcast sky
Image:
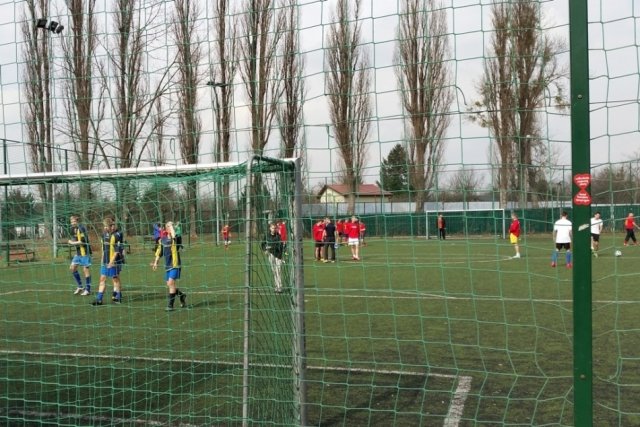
x: 614, y: 69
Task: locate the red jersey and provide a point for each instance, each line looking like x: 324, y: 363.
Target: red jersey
x: 514, y: 228
x: 282, y: 231
x: 225, y: 231
x: 628, y: 223
x: 352, y: 229
x: 362, y: 227
x: 317, y: 231
x: 340, y: 227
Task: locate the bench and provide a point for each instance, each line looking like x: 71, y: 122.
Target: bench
x: 18, y: 252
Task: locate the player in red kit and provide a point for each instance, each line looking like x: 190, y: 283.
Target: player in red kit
x: 317, y: 231
x: 226, y: 236
x: 363, y: 231
x: 514, y: 233
x: 282, y: 231
x: 353, y: 232
x: 339, y: 231
x: 629, y: 226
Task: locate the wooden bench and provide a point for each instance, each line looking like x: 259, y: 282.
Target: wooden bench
x: 18, y: 252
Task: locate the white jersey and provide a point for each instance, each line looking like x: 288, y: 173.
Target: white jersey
x: 562, y: 228
x: 596, y: 225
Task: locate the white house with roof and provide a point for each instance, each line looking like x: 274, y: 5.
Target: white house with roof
x: 366, y: 193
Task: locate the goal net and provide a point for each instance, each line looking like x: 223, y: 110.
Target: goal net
x: 233, y: 354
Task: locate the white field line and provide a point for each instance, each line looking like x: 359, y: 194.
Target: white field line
x: 55, y: 416
x: 369, y: 294
x: 454, y: 414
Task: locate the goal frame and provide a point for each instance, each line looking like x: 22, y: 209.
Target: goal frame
x: 250, y: 167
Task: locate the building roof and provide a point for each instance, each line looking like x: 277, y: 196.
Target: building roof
x: 371, y: 190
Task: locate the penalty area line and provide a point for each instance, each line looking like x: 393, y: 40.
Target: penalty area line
x: 452, y: 419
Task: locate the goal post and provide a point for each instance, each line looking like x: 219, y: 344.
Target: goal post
x: 270, y: 325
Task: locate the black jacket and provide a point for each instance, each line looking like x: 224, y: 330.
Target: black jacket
x: 273, y: 244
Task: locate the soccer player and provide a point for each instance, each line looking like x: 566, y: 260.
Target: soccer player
x: 169, y: 248
x: 514, y: 233
x: 226, y: 236
x: 363, y: 231
x: 562, y: 237
x: 629, y: 226
x: 282, y: 231
x: 274, y: 249
x: 112, y: 261
x: 329, y: 239
x: 353, y: 232
x: 339, y: 231
x: 317, y: 230
x: 442, y: 228
x: 82, y: 258
x: 596, y: 229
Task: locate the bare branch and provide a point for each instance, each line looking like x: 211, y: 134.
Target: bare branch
x: 521, y: 70
x: 262, y: 29
x: 348, y: 85
x: 290, y: 112
x: 423, y: 76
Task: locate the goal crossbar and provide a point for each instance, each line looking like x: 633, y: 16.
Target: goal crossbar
x: 221, y: 169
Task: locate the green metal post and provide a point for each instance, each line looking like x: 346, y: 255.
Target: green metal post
x: 581, y: 171
x: 5, y: 169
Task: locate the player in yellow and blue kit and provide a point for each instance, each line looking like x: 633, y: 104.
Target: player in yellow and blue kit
x: 112, y: 261
x: 82, y: 258
x: 169, y: 247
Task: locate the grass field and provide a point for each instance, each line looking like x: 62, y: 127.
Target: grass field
x: 420, y: 332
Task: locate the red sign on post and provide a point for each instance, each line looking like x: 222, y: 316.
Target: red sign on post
x: 582, y: 180
x: 582, y: 198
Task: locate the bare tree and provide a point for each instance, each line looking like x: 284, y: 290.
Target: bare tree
x: 133, y: 103
x: 133, y: 95
x: 223, y: 73
x: 37, y: 91
x: 84, y: 110
x: 423, y: 78
x: 190, y: 125
x: 290, y: 112
x: 156, y: 148
x: 38, y: 81
x: 465, y: 185
x: 521, y: 68
x: 262, y: 29
x: 348, y: 85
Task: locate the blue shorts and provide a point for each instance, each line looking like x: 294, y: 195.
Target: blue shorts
x: 174, y: 274
x: 110, y: 272
x: 82, y: 261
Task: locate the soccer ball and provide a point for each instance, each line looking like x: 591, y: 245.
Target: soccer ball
x: 618, y: 253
